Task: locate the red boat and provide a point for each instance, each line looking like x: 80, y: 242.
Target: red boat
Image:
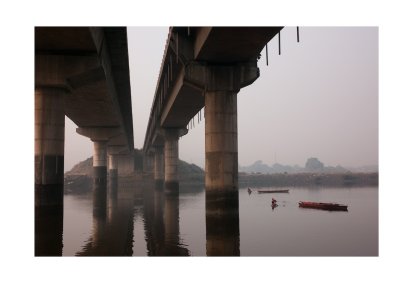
x: 323, y: 205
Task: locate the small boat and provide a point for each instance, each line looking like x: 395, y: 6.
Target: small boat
x: 323, y: 205
x: 272, y: 191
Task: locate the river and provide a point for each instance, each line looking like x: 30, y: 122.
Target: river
x: 145, y: 222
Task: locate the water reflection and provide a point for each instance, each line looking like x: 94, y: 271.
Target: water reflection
x: 195, y: 224
x: 49, y: 231
x: 161, y: 218
x: 222, y: 224
x: 112, y: 226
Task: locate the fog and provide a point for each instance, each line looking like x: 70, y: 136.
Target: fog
x: 319, y: 98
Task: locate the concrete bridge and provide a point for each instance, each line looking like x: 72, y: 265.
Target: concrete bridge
x: 83, y: 73
x: 203, y: 67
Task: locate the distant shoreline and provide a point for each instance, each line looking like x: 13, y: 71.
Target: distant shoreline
x: 309, y: 179
x: 82, y: 183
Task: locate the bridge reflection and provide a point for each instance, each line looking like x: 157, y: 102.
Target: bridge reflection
x: 112, y: 229
x: 161, y: 219
x: 49, y: 231
x: 112, y: 225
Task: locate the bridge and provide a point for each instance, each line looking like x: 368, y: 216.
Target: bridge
x: 203, y: 67
x: 83, y: 73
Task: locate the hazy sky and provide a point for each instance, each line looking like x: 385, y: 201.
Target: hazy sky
x: 300, y: 65
x: 319, y: 98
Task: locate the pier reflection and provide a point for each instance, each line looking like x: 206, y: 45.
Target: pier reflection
x: 161, y: 218
x: 49, y: 231
x: 112, y: 228
x: 112, y: 224
x: 222, y: 224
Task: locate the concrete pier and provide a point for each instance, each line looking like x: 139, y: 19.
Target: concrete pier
x: 100, y: 162
x: 126, y: 163
x: 159, y: 168
x: 49, y: 146
x: 100, y: 136
x: 113, y: 164
x: 221, y: 84
x: 221, y: 149
x: 171, y: 157
x: 113, y: 170
x: 99, y: 175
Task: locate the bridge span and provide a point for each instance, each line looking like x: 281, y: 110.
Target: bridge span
x: 203, y: 67
x: 83, y: 73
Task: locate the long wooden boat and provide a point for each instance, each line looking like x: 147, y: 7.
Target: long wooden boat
x: 272, y: 191
x: 323, y: 205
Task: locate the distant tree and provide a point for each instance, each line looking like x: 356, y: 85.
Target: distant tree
x: 313, y: 164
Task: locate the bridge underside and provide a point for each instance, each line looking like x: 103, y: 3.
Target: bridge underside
x: 182, y: 97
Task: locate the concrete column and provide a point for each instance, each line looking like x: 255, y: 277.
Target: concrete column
x: 126, y: 164
x: 113, y: 170
x: 49, y: 146
x: 171, y: 157
x: 100, y: 161
x: 99, y: 177
x: 113, y: 164
x: 159, y: 168
x: 100, y: 136
x: 221, y: 148
x: 221, y: 84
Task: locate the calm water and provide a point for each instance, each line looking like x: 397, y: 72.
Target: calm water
x: 142, y: 223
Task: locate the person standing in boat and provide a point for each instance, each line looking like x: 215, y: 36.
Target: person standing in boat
x: 273, y: 204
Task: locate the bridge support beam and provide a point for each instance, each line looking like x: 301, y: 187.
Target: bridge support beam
x: 126, y: 163
x: 159, y: 167
x: 221, y: 150
x: 100, y: 161
x: 221, y: 84
x: 113, y: 165
x: 99, y: 174
x: 113, y: 170
x: 113, y: 152
x: 171, y: 155
x: 49, y: 146
x: 100, y: 137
